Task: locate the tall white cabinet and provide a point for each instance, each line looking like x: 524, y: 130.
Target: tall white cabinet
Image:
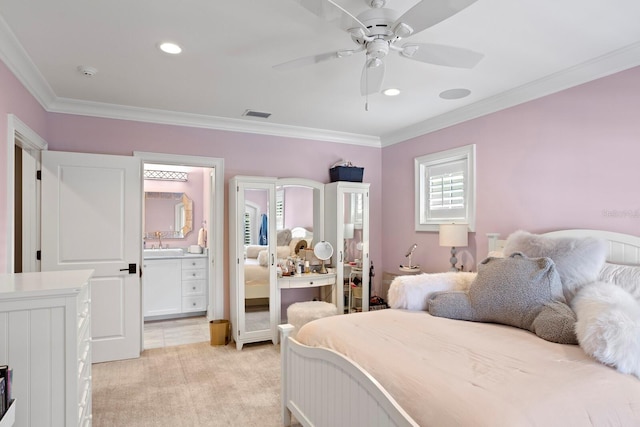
x: 346, y: 226
x: 45, y: 337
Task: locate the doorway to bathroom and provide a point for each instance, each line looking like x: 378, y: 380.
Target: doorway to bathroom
x: 182, y: 220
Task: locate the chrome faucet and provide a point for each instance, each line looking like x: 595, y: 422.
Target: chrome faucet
x: 158, y: 234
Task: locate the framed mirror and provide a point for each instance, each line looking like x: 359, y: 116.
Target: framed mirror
x: 169, y: 213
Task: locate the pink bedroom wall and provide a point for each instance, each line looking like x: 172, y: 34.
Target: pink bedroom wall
x: 14, y: 99
x: 243, y: 154
x: 568, y: 160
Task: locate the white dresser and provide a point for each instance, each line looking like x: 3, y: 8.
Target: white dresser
x: 45, y: 337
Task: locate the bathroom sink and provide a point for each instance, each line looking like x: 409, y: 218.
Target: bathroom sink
x: 154, y: 253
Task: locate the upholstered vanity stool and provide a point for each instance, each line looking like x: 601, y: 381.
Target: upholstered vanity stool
x: 300, y: 313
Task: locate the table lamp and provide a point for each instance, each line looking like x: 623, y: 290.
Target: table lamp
x: 454, y: 235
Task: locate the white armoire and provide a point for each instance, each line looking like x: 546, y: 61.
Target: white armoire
x: 258, y: 207
x: 346, y: 227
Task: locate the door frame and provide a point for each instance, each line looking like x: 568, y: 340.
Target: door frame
x: 215, y: 306
x: 21, y: 135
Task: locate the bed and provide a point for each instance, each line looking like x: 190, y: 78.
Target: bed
x: 407, y: 368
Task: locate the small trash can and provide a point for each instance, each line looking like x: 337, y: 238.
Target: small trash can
x: 220, y: 331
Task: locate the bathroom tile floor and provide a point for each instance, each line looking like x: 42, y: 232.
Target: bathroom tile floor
x: 166, y: 333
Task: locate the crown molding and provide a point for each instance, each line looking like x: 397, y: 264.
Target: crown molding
x: 148, y: 115
x: 611, y: 63
x: 19, y: 63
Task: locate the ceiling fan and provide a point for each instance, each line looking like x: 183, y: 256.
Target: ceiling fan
x: 378, y: 31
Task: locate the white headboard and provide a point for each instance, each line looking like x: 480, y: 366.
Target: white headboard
x: 623, y: 248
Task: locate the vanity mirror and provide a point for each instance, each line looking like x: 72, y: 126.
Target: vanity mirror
x: 168, y: 213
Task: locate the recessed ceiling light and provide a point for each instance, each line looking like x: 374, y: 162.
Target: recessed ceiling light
x: 455, y: 93
x: 391, y: 92
x: 171, y: 48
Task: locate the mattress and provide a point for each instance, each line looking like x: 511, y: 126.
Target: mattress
x: 446, y: 372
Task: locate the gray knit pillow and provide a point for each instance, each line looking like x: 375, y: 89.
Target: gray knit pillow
x: 515, y: 291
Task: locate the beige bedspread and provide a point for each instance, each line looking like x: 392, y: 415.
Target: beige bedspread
x: 447, y: 372
x: 256, y: 278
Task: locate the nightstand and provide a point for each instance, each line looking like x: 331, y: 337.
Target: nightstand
x: 388, y: 276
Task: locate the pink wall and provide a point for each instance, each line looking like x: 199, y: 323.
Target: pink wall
x: 244, y: 154
x: 568, y: 160
x: 563, y: 161
x: 14, y: 99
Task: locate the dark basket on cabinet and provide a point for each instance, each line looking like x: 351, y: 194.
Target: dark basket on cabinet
x: 346, y: 173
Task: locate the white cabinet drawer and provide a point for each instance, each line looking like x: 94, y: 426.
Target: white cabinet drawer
x: 194, y: 263
x: 193, y: 287
x: 194, y: 303
x: 193, y: 274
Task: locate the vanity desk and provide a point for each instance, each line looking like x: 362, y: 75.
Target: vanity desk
x: 304, y: 281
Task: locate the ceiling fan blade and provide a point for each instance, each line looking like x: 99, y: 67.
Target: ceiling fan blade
x: 309, y: 60
x: 429, y: 12
x: 333, y: 13
x: 372, y: 78
x: 449, y: 56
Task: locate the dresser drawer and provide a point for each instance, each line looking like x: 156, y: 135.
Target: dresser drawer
x: 194, y: 263
x: 194, y: 303
x: 193, y: 287
x: 193, y: 274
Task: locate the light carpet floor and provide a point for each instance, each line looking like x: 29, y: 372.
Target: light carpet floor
x: 194, y: 385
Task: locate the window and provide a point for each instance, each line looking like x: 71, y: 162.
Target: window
x: 280, y: 209
x: 445, y: 188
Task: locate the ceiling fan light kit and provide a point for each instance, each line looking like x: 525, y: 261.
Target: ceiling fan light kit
x: 378, y: 30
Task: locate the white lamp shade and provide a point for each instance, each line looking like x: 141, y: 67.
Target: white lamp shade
x: 348, y: 231
x: 454, y: 235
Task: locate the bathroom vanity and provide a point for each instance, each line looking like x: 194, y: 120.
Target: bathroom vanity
x: 174, y: 283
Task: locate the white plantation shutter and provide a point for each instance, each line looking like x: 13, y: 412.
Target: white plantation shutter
x: 280, y: 209
x: 445, y: 188
x: 248, y: 226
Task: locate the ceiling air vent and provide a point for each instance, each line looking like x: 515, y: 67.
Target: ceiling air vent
x: 260, y: 114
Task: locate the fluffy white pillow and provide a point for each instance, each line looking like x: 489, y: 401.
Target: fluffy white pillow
x: 263, y: 256
x: 608, y: 326
x: 281, y: 252
x: 411, y: 292
x: 578, y: 260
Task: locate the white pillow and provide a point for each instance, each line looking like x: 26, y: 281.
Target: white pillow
x: 411, y: 292
x: 625, y: 276
x: 608, y: 326
x: 578, y: 260
x: 252, y: 251
x: 263, y: 256
x: 281, y: 252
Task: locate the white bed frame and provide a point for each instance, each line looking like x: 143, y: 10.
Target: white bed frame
x: 323, y: 388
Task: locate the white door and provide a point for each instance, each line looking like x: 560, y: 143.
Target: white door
x: 91, y: 219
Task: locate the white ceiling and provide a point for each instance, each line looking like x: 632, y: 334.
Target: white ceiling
x: 532, y: 48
